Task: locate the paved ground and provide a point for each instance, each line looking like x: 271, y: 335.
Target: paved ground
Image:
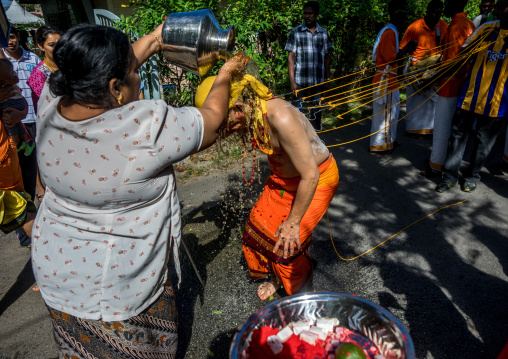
x: 445, y: 278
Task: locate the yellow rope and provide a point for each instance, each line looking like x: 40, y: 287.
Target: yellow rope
x: 366, y: 93
x: 468, y: 55
x: 412, y: 75
x: 449, y: 44
x: 380, y: 244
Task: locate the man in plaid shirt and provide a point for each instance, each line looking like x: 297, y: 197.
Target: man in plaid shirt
x: 309, y: 58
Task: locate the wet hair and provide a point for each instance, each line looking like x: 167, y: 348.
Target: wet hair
x: 314, y: 5
x: 88, y: 58
x: 43, y: 32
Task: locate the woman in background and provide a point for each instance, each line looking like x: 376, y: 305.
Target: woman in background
x: 46, y: 38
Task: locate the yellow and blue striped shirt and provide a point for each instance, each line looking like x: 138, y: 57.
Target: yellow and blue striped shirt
x: 485, y: 90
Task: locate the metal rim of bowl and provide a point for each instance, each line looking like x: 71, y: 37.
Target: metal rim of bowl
x: 233, y: 352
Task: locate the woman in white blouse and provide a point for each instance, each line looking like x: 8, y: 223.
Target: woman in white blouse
x: 110, y: 219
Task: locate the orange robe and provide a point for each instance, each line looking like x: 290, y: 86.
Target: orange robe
x: 271, y: 209
x: 459, y: 30
x: 425, y: 37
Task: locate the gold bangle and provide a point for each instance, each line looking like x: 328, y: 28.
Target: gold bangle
x: 157, y: 39
x: 226, y: 71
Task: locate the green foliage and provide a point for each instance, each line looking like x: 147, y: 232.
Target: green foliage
x: 262, y: 27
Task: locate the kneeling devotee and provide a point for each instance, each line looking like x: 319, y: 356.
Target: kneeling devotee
x: 296, y: 195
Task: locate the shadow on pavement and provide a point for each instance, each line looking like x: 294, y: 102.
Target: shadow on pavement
x: 24, y: 281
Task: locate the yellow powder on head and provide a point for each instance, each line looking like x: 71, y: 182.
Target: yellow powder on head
x: 253, y: 94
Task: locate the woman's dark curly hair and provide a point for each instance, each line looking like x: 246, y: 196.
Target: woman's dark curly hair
x: 88, y: 57
x: 41, y: 35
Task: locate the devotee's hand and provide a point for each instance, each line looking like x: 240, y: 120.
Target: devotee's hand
x: 236, y: 65
x: 11, y: 116
x: 289, y: 235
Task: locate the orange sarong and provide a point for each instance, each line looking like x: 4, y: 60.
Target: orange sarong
x: 271, y: 209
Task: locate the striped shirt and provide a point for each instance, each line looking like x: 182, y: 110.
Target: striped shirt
x: 310, y: 50
x: 23, y: 67
x: 485, y: 89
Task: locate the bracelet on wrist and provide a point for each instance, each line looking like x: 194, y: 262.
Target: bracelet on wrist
x: 226, y: 71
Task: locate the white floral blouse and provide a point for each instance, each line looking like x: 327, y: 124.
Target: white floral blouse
x: 110, y: 217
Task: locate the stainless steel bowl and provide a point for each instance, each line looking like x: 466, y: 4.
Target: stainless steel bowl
x: 195, y: 42
x: 355, y: 313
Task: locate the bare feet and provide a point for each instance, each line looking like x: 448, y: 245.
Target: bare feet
x: 36, y: 288
x: 267, y: 289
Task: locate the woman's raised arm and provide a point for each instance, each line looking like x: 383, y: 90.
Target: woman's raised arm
x: 148, y: 45
x: 215, y: 108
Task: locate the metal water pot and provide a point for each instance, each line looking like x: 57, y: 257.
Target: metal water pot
x: 195, y: 42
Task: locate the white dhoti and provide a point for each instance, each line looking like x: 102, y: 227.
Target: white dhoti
x: 445, y: 108
x: 505, y: 156
x: 421, y: 110
x: 386, y: 113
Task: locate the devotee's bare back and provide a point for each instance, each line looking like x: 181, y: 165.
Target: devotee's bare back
x: 283, y: 117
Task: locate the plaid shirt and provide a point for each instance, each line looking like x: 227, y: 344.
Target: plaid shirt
x: 310, y: 50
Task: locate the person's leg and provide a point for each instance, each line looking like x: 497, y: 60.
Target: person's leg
x: 445, y: 109
x: 411, y: 105
x: 298, y: 102
x: 462, y: 124
x: 14, y: 134
x: 421, y: 111
x: 487, y: 129
x: 150, y: 334
x: 315, y: 113
x: 296, y: 276
x: 28, y: 165
x: 381, y: 129
x: 40, y: 187
x: 505, y: 155
x: 394, y: 115
x: 260, y: 270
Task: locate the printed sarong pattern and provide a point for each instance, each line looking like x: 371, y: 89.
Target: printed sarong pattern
x: 151, y: 334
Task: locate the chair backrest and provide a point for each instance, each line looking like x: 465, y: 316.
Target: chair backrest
x: 107, y: 18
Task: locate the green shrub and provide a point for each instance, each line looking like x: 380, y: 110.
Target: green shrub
x: 262, y: 27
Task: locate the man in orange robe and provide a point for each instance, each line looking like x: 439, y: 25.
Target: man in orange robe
x: 428, y: 33
x: 386, y: 99
x: 459, y: 30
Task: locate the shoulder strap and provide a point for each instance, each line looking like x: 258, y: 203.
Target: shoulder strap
x: 378, y: 39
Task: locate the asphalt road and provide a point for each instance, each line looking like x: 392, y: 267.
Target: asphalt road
x: 445, y: 278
